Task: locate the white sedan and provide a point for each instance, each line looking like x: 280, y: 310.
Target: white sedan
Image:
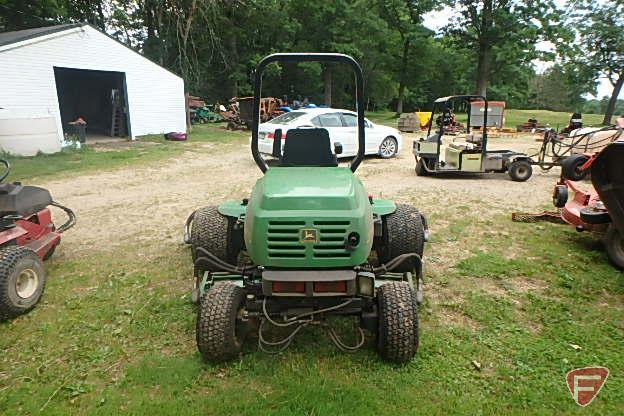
x: 342, y: 127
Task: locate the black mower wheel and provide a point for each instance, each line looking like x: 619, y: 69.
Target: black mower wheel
x: 591, y: 215
x: 420, y: 167
x: 22, y: 281
x: 388, y: 148
x: 571, y: 167
x: 210, y: 231
x: 560, y: 196
x: 398, y: 333
x: 614, y: 245
x: 520, y: 170
x: 219, y: 330
x: 405, y: 233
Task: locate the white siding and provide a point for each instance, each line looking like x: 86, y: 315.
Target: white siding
x: 27, y: 84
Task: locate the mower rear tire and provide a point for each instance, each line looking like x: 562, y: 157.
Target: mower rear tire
x: 398, y: 332
x: 219, y: 328
x: 405, y: 233
x: 210, y: 231
x: 614, y: 245
x: 571, y: 167
x: 22, y: 281
x: 520, y: 170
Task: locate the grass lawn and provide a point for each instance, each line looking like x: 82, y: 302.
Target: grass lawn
x: 146, y: 149
x: 115, y: 335
x: 512, y: 118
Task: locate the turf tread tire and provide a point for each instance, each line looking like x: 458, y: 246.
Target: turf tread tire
x: 210, y: 231
x: 216, y: 322
x: 406, y: 234
x: 11, y: 258
x: 398, y: 331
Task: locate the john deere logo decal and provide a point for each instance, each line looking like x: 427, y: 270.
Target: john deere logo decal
x: 308, y: 235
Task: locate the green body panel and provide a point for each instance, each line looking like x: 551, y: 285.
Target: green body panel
x: 383, y: 206
x: 471, y: 162
x: 428, y: 147
x: 232, y: 208
x: 300, y: 217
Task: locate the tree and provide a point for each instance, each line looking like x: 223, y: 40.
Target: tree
x: 500, y: 31
x: 600, y: 29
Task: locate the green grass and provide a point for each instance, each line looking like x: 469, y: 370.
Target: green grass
x: 512, y: 118
x: 115, y: 335
x: 146, y: 149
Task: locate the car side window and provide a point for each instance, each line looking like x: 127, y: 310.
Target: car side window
x: 316, y: 122
x: 349, y: 119
x: 330, y: 120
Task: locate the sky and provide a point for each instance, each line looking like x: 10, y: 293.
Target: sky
x: 437, y: 19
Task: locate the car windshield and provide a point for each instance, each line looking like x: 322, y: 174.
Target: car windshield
x: 287, y: 118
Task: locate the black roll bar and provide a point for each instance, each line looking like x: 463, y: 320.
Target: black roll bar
x: 308, y: 57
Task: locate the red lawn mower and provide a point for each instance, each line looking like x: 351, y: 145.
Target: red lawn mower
x: 598, y: 208
x: 27, y: 238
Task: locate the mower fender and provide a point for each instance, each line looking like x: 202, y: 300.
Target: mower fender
x: 233, y: 208
x: 383, y: 206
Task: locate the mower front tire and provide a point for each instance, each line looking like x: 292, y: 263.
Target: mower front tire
x: 210, y: 231
x: 405, y: 233
x: 219, y: 327
x: 22, y: 281
x: 398, y: 332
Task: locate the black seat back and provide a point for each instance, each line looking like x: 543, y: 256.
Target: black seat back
x: 22, y: 200
x: 308, y: 147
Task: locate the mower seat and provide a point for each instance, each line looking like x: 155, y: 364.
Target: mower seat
x: 22, y: 200
x: 308, y: 147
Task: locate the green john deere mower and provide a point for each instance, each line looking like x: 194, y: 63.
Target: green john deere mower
x: 307, y: 245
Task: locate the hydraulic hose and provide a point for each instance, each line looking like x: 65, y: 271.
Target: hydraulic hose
x: 71, y: 217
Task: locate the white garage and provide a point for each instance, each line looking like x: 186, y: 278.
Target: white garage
x: 53, y: 76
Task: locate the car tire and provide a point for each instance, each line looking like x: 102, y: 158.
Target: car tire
x: 571, y: 167
x: 22, y: 281
x: 397, y: 330
x: 404, y: 232
x: 388, y: 148
x: 614, y: 245
x: 219, y: 332
x: 560, y: 196
x: 520, y: 170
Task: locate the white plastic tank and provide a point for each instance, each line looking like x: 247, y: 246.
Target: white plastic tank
x: 25, y: 134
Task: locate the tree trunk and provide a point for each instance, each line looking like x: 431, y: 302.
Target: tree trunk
x: 485, y: 49
x: 327, y: 77
x: 403, y: 76
x: 617, y: 88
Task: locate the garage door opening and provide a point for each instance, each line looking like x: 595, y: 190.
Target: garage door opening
x: 98, y: 97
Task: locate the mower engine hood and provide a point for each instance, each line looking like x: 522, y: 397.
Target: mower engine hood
x: 300, y: 217
x: 607, y: 175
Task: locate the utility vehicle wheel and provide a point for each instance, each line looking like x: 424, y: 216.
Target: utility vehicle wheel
x: 405, y: 233
x: 210, y: 231
x: 614, y: 245
x: 22, y: 280
x: 397, y: 337
x: 220, y: 332
x: 420, y: 167
x: 388, y: 148
x: 560, y: 196
x: 571, y: 167
x: 520, y: 170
